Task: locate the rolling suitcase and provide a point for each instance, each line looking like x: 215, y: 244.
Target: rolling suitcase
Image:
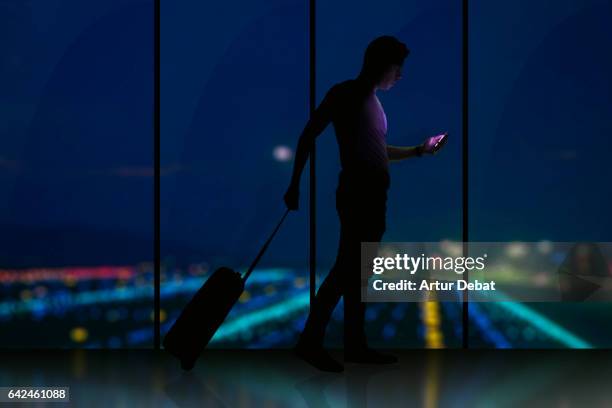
x: 207, y: 310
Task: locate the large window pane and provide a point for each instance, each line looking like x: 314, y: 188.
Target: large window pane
x: 234, y: 100
x: 539, y: 152
x: 76, y: 95
x: 424, y: 202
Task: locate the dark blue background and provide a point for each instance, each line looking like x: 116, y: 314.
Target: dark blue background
x: 76, y: 144
x: 540, y: 120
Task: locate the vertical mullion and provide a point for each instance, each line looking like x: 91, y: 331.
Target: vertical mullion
x: 156, y: 182
x: 465, y: 179
x: 313, y: 185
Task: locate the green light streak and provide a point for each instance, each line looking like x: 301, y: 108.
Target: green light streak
x: 544, y: 324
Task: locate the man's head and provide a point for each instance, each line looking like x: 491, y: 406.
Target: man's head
x: 383, y: 60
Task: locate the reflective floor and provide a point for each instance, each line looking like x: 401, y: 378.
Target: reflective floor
x: 258, y: 378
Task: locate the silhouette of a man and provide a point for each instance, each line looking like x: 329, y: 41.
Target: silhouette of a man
x: 361, y: 126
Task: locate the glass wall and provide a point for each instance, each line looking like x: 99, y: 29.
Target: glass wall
x: 76, y: 168
x: 539, y: 140
x: 76, y: 149
x: 424, y: 202
x: 234, y: 97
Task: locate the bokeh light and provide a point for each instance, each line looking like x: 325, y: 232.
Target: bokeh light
x: 282, y: 153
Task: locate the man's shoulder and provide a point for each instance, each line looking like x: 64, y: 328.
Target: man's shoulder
x: 344, y: 86
x: 342, y: 90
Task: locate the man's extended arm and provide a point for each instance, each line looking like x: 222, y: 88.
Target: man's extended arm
x: 318, y: 121
x: 431, y: 145
x: 397, y: 153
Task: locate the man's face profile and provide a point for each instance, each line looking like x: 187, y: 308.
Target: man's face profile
x: 390, y: 77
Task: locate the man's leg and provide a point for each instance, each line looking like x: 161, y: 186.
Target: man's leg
x: 310, y: 345
x: 324, y: 304
x: 368, y: 226
x: 354, y: 309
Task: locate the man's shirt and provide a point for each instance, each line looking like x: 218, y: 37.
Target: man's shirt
x: 360, y: 125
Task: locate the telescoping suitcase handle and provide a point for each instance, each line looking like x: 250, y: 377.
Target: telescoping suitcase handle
x: 262, y: 251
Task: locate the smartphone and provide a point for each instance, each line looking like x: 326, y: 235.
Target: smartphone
x: 439, y: 139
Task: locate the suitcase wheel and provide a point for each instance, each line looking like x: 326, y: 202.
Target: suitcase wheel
x: 187, y: 364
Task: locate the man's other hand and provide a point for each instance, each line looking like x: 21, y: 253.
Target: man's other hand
x: 292, y: 197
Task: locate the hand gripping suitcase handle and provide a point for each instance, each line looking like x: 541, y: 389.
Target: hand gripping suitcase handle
x: 262, y: 251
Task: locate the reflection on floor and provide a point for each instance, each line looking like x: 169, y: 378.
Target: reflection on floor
x: 265, y: 378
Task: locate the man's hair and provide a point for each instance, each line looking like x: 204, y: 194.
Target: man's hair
x: 381, y: 54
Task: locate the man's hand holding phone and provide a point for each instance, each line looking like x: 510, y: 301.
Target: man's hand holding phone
x: 433, y: 144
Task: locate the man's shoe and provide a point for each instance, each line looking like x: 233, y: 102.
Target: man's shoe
x: 317, y: 357
x: 368, y: 356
